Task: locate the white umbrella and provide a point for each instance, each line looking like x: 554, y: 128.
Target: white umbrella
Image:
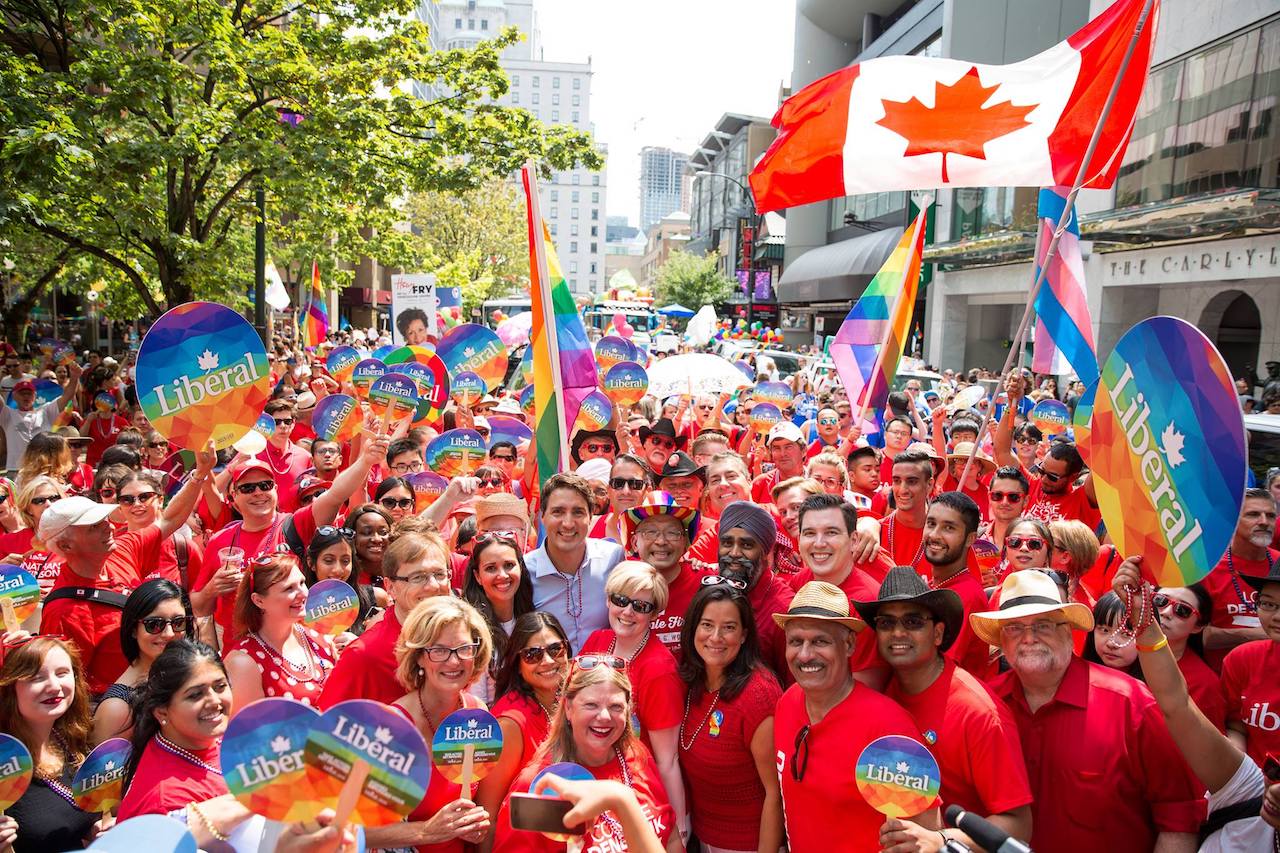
x: 693, y: 373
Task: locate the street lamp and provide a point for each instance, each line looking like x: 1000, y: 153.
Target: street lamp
x: 755, y: 233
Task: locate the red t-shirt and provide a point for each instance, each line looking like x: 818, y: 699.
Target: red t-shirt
x: 858, y: 585
x: 94, y: 628
x: 367, y: 667
x: 287, y: 467
x: 254, y: 543
x: 726, y: 795
x: 164, y: 782
x: 44, y: 566
x: 1097, y: 580
x: 1234, y: 601
x: 815, y: 447
x: 1205, y: 688
x: 771, y: 595
x: 640, y: 775
x: 102, y: 431
x: 1251, y: 688
x: 167, y: 567
x: 669, y: 623
x: 823, y: 809
x: 974, y: 739
x: 278, y: 680
x: 969, y: 650
x: 1103, y: 769
x: 529, y: 717
x: 440, y: 792
x: 905, y: 544
x: 982, y: 497
x: 762, y: 487
x: 1071, y: 504
x: 655, y: 684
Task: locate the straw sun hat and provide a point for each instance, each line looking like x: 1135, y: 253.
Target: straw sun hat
x: 1028, y: 593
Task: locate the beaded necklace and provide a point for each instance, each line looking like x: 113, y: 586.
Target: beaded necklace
x: 569, y: 583
x: 893, y: 525
x: 715, y: 697
x: 55, y: 784
x: 614, y: 824
x: 1235, y: 582
x: 309, y: 670
x: 613, y: 645
x: 173, y: 749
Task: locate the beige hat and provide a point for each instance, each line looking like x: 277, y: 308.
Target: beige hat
x: 823, y: 601
x: 1029, y: 592
x: 932, y: 452
x: 501, y: 503
x: 964, y: 450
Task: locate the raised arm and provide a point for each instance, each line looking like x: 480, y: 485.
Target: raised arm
x: 184, y: 502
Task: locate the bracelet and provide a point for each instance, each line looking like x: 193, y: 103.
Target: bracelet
x: 208, y: 824
x: 1164, y: 641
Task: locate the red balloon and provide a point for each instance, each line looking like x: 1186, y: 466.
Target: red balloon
x: 453, y: 312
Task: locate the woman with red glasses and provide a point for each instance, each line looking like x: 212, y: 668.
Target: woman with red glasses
x: 491, y: 480
x: 1184, y: 612
x: 636, y: 594
x: 1027, y: 545
x: 592, y: 727
x: 530, y: 676
x: 141, y: 500
x: 499, y: 587
x: 274, y: 654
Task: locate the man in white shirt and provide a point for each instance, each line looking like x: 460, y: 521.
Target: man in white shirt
x: 22, y: 423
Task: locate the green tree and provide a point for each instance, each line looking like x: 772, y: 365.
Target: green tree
x: 478, y: 237
x: 692, y: 281
x: 136, y: 132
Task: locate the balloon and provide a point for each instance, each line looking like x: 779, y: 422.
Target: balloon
x: 619, y: 321
x: 454, y: 312
x: 627, y: 330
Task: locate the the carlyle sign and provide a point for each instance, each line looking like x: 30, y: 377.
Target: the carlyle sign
x: 1193, y: 263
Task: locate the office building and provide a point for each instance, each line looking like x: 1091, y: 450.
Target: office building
x: 662, y: 176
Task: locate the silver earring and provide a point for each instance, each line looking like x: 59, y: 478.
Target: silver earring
x: 422, y: 673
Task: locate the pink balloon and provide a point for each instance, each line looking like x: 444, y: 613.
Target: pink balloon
x: 627, y: 330
x: 619, y: 322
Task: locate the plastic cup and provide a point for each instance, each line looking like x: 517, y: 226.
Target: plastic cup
x: 232, y: 557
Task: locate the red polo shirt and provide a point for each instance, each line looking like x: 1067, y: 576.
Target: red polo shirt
x: 367, y: 667
x: 1103, y: 769
x: 762, y: 487
x: 823, y: 809
x: 1251, y: 687
x: 94, y: 628
x: 973, y: 737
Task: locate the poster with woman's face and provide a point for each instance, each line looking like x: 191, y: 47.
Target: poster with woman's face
x: 413, y: 309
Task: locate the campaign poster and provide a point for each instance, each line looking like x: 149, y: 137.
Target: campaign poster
x: 413, y: 308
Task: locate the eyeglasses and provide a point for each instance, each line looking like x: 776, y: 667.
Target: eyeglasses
x: 716, y: 580
x: 593, y: 661
x: 45, y: 499
x: 106, y: 492
x: 330, y: 530
x: 598, y: 447
x: 397, y: 503
x: 800, y: 764
x: 618, y: 484
x: 910, y: 622
x: 1041, y: 629
x: 1031, y: 543
x: 501, y: 457
x: 1180, y: 608
x: 535, y: 654
x: 1006, y: 497
x: 407, y: 467
x: 260, y: 485
x: 504, y: 536
x: 644, y: 608
x: 494, y: 483
x: 423, y: 578
x: 440, y: 654
x: 140, y: 498
x: 156, y: 624
x: 673, y: 534
x: 1266, y: 605
x: 326, y: 451
x: 1048, y: 475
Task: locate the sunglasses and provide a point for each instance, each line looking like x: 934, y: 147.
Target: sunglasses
x: 1051, y: 477
x: 1006, y: 497
x: 617, y: 599
x: 1180, y: 608
x: 106, y: 492
x: 1031, y: 543
x: 140, y: 498
x: 259, y: 486
x: 495, y: 483
x: 593, y: 661
x: 620, y: 483
x: 800, y: 764
x: 22, y: 641
x: 41, y: 501
x: 284, y: 421
x: 663, y: 443
x: 828, y: 421
x: 535, y: 654
x: 716, y: 580
x: 268, y: 558
x: 158, y: 445
x: 155, y: 624
x: 397, y: 503
x: 488, y: 536
x: 330, y: 530
x: 593, y: 447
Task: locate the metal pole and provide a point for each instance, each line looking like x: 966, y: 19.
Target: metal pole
x: 260, y: 267
x: 751, y: 266
x: 1061, y: 226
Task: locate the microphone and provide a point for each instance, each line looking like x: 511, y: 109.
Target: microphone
x: 985, y: 833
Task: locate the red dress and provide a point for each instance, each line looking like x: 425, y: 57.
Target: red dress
x: 278, y: 678
x: 440, y: 791
x: 529, y: 717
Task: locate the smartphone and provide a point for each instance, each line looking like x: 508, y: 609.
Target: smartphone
x: 542, y: 814
x: 1271, y: 768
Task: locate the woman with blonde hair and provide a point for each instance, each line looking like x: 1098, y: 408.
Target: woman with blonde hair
x: 1075, y: 549
x: 592, y: 727
x: 47, y: 454
x: 21, y: 548
x: 443, y: 648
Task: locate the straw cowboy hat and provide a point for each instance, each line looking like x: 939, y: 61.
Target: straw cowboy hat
x: 822, y: 601
x: 929, y: 450
x: 964, y: 450
x: 903, y: 584
x: 1028, y: 593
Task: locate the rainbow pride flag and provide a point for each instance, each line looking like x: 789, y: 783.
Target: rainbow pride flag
x: 564, y: 369
x: 869, y: 344
x: 315, y: 326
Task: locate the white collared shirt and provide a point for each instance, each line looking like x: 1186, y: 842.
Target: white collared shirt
x: 552, y: 590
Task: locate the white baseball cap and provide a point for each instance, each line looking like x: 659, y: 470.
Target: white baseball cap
x: 71, y: 512
x: 785, y: 430
x: 596, y: 469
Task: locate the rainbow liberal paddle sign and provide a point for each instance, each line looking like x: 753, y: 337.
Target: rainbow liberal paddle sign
x: 526, y: 401
x: 1082, y: 421
x: 477, y: 349
x: 99, y: 783
x: 20, y: 589
x: 777, y: 393
x: 202, y: 375
x: 46, y: 392
x: 341, y: 361
x: 1168, y: 451
x: 360, y: 734
x: 433, y: 388
x: 898, y: 776
x: 502, y: 428
x: 15, y: 770
x: 363, y: 375
x: 456, y: 453
x: 625, y: 383
x: 337, y: 418
x: 466, y: 388
x: 594, y: 413
x: 332, y: 607
x: 393, y: 396
x: 262, y: 759
x: 565, y: 770
x: 1051, y: 416
x: 467, y: 746
x: 427, y: 487
x: 612, y: 350
x: 764, y: 416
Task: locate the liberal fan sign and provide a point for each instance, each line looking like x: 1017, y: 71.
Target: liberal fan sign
x: 202, y: 375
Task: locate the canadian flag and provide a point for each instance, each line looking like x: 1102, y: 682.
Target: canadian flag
x: 914, y: 122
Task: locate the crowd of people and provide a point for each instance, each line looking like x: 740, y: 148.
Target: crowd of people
x: 713, y: 620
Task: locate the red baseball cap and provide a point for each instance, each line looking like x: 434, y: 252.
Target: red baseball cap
x: 250, y: 465
x: 25, y: 385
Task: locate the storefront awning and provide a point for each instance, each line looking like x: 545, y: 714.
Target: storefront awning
x: 839, y: 271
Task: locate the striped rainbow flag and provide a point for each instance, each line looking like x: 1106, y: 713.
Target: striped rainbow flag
x: 564, y: 369
x: 869, y: 344
x: 315, y: 326
x: 1064, y: 328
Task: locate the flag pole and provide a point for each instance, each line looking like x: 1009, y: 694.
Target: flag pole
x: 1063, y: 221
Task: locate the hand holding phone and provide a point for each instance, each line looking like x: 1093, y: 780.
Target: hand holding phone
x: 533, y: 813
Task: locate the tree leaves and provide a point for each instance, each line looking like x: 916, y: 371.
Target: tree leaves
x: 692, y: 281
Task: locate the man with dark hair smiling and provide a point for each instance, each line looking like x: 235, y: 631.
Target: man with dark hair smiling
x: 949, y: 531
x: 902, y: 533
x: 287, y: 461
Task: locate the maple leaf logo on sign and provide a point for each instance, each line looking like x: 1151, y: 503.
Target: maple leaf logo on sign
x: 957, y: 123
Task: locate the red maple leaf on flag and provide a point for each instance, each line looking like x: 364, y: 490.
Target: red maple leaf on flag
x: 957, y: 123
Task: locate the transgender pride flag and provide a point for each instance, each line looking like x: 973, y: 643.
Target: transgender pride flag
x: 564, y: 367
x: 1064, y: 329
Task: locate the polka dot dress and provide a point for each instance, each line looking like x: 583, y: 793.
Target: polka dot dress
x: 281, y: 678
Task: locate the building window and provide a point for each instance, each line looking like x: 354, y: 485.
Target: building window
x: 555, y: 115
x: 553, y: 229
x: 595, y: 198
x: 573, y: 230
x: 573, y: 267
x: 537, y: 81
x: 555, y: 212
x: 555, y: 82
x: 573, y: 213
x: 595, y: 230
x: 595, y: 247
x: 555, y: 195
x: 576, y: 117
x: 471, y: 23
x: 457, y: 23
x: 576, y: 195
x: 515, y: 79
x: 577, y: 82
x: 535, y: 97
x: 515, y: 97
x: 577, y: 100
x: 573, y: 246
x: 555, y: 96
x: 593, y: 267
x: 484, y: 23
x: 595, y: 213
x: 577, y: 179
x: 595, y: 180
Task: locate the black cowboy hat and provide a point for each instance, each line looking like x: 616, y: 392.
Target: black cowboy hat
x: 680, y: 464
x: 666, y: 428
x: 903, y: 584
